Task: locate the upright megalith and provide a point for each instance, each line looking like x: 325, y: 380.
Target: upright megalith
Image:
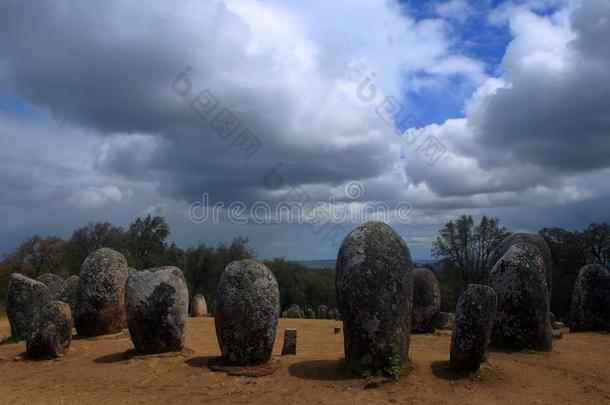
x: 246, y: 312
x: 290, y: 342
x: 426, y: 301
x: 309, y: 314
x: 198, y: 306
x: 523, y: 319
x: 69, y: 293
x: 26, y: 298
x: 474, y: 318
x: 533, y: 239
x: 590, y: 309
x: 54, y: 283
x: 156, y: 302
x: 374, y: 284
x: 322, y: 312
x: 294, y: 311
x: 101, y: 293
x: 52, y: 332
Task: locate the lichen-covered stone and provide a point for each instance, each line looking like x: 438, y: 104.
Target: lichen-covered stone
x: 322, y: 312
x: 52, y: 332
x: 156, y: 302
x: 246, y: 312
x: 54, y: 283
x: 334, y: 313
x: 523, y: 318
x: 294, y: 311
x: 374, y: 283
x: 309, y: 314
x: 26, y: 297
x: 426, y: 301
x: 535, y: 240
x: 69, y: 294
x: 101, y: 293
x: 590, y: 310
x: 474, y: 318
x: 198, y: 306
x: 290, y: 342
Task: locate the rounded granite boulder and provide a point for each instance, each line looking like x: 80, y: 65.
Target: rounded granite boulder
x: 309, y: 314
x: 26, y: 298
x: 198, y: 306
x: 322, y: 312
x: 69, y: 293
x: 156, y: 303
x: 54, y: 283
x: 535, y: 240
x: 246, y: 313
x: 374, y: 284
x: 426, y: 301
x: 523, y: 319
x: 474, y: 318
x: 52, y: 333
x: 101, y: 293
x: 590, y: 310
x: 294, y: 311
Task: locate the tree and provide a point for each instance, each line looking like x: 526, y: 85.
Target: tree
x: 145, y: 242
x: 468, y: 247
x: 93, y: 236
x: 597, y: 243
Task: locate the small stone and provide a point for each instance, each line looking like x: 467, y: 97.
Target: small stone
x: 337, y: 330
x: 52, y: 333
x: 309, y: 314
x: 198, y: 306
x: 156, y: 301
x: 557, y: 334
x: 294, y: 311
x: 246, y: 313
x: 54, y: 283
x: 290, y: 342
x: 426, y: 301
x: 590, y: 310
x: 26, y: 298
x: 474, y: 318
x: 322, y: 312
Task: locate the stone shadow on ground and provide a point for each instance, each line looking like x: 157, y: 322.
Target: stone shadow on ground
x: 326, y: 370
x: 441, y: 370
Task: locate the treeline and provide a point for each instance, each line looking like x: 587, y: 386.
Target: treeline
x: 144, y: 245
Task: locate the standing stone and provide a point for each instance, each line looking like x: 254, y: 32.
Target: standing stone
x: 322, y: 312
x: 445, y: 321
x: 309, y: 314
x: 535, y: 240
x: 54, y: 283
x: 426, y: 301
x: 374, y: 286
x: 294, y: 311
x: 26, y: 297
x: 101, y: 293
x: 590, y: 309
x: 246, y: 312
x: 52, y: 333
x: 198, y: 306
x: 69, y: 293
x: 474, y: 318
x: 156, y: 302
x: 523, y: 318
x: 290, y: 342
x: 334, y: 313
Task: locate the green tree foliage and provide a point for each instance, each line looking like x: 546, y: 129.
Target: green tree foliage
x: 144, y: 242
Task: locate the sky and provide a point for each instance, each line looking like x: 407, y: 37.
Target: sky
x: 214, y: 113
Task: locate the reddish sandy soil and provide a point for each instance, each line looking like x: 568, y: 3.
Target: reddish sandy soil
x: 95, y: 371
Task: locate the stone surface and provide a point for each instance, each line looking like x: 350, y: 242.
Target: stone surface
x: 557, y: 334
x: 590, y: 309
x: 445, y: 321
x: 426, y: 301
x: 322, y: 312
x: 246, y: 312
x: 294, y: 311
x: 334, y: 313
x: 52, y: 333
x: 69, y: 294
x: 290, y: 342
x: 523, y: 318
x: 101, y: 293
x: 26, y: 297
x: 374, y: 284
x: 156, y: 302
x: 54, y: 283
x: 535, y: 240
x: 198, y: 306
x: 309, y: 314
x: 558, y: 325
x: 474, y: 318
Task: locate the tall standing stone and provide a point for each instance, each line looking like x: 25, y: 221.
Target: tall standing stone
x: 198, y: 306
x: 52, y: 332
x: 156, y: 302
x: 533, y: 239
x: 290, y: 342
x: 523, y: 319
x: 374, y: 286
x: 426, y: 301
x: 26, y: 298
x: 246, y: 312
x: 474, y: 318
x: 590, y: 310
x: 101, y: 293
x: 69, y: 294
x: 54, y: 283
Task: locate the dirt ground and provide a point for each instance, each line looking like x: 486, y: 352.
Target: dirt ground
x: 95, y: 372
